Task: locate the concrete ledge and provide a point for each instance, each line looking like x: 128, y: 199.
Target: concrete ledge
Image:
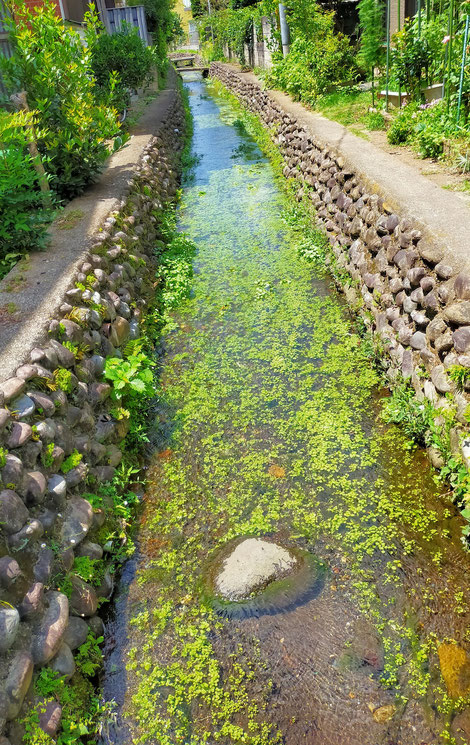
x: 32, y: 292
x: 441, y: 216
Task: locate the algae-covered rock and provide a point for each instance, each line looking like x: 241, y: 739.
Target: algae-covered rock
x: 455, y: 669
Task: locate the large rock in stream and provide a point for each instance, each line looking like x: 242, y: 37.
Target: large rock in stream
x: 252, y: 565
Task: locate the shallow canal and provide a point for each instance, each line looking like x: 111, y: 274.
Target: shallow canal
x: 269, y: 424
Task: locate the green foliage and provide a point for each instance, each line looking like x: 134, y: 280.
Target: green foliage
x: 402, y: 126
x: 319, y: 60
x: 83, y: 715
x: 123, y: 53
x: 90, y: 570
x: 63, y: 379
x: 130, y: 376
x: 71, y: 462
x: 47, y: 455
x: 414, y: 416
x: 23, y: 214
x: 371, y: 21
x: 53, y: 66
x: 460, y: 375
x: 227, y: 27
x: 417, y: 60
x: 89, y: 658
x: 375, y: 120
x: 3, y: 456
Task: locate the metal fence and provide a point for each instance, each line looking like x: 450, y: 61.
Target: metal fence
x: 134, y: 16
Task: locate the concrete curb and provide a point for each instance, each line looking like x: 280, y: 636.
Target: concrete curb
x: 33, y: 291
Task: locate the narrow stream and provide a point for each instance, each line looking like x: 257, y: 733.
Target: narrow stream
x: 271, y: 412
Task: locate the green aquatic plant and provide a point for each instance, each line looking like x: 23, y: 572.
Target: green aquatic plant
x: 414, y: 416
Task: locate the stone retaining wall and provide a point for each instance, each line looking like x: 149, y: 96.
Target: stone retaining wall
x: 59, y: 402
x: 419, y: 306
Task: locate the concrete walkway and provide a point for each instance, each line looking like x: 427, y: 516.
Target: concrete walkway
x: 442, y: 216
x: 33, y: 291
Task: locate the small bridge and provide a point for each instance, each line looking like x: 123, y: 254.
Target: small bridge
x: 187, y: 64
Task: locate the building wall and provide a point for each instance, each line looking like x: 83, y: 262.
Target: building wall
x: 183, y: 8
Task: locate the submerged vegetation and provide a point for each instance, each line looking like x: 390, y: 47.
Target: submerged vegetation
x: 271, y: 425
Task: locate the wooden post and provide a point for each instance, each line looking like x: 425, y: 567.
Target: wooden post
x: 20, y: 102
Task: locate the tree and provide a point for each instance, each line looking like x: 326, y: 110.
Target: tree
x: 371, y: 21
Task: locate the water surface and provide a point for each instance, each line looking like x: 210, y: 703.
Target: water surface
x: 270, y: 410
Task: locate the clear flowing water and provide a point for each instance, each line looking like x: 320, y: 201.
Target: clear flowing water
x: 269, y: 425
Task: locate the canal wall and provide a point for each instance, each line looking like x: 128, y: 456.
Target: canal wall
x: 403, y: 245
x: 55, y: 408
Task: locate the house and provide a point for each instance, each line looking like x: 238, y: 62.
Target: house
x: 188, y: 24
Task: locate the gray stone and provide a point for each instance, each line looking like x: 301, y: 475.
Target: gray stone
x: 250, y: 566
x: 461, y: 339
x: 436, y: 328
x: 92, y: 550
x: 57, y: 486
x: 4, y: 418
x: 96, y: 626
x: 23, y: 407
x: 462, y: 286
x: 20, y: 433
x: 430, y: 302
x: 83, y: 600
x: 34, y: 486
x: 12, y: 388
x: 77, y: 522
x: 76, y: 632
x: 49, y: 633
x: 427, y: 284
x: 63, y: 663
x: 435, y: 457
x: 50, y: 715
x: 44, y: 403
x: 65, y: 356
x: 460, y: 727
x: 9, y: 571
x: 99, y: 392
x: 106, y: 588
x: 12, y: 472
x: 430, y: 253
x: 18, y: 681
x: 27, y: 372
x: 440, y: 379
x: 43, y: 567
x: 444, y: 343
x: 458, y: 313
x: 32, y: 605
x: 46, y: 430
x: 76, y: 475
x: 32, y: 531
x: 465, y: 450
x: 13, y: 513
x: 9, y: 623
x: 443, y: 271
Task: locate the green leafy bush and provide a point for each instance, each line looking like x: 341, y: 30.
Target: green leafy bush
x: 53, y: 66
x: 130, y: 376
x: 23, y: 215
x: 401, y: 128
x: 414, y: 416
x: 318, y: 62
x: 124, y: 53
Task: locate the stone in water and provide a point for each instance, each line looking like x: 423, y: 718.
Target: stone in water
x: 251, y: 565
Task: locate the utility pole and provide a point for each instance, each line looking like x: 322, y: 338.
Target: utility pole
x: 285, y: 34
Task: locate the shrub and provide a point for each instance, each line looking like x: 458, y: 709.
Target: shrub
x: 401, y: 128
x: 317, y: 63
x: 124, y: 53
x: 51, y: 64
x: 23, y: 216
